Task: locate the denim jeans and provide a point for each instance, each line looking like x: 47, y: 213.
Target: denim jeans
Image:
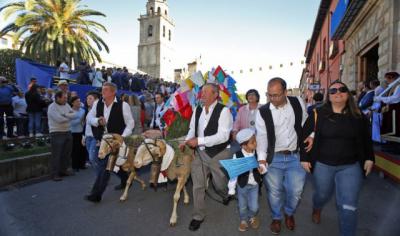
x: 35, y: 119
x: 284, y: 181
x: 247, y: 201
x: 22, y: 125
x: 93, y: 151
x: 347, y: 180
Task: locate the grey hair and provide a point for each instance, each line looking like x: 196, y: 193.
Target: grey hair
x: 109, y: 84
x: 214, y: 87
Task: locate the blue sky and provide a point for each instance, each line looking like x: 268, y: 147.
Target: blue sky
x: 236, y: 34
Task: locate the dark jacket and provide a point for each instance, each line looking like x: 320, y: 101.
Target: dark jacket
x: 34, y: 102
x: 363, y: 147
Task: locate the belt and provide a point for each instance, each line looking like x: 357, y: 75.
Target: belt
x: 287, y: 152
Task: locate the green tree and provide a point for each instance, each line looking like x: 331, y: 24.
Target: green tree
x: 7, y: 62
x: 50, y: 30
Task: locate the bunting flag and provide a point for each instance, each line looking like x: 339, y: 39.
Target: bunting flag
x: 188, y: 96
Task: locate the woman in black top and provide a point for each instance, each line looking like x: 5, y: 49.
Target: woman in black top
x: 341, y: 151
x: 35, y: 105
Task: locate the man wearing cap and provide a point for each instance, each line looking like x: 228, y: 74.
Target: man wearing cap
x: 113, y: 116
x: 209, y: 131
x: 280, y: 142
x: 391, y: 102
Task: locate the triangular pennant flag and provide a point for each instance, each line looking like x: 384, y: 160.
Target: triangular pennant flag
x: 197, y: 78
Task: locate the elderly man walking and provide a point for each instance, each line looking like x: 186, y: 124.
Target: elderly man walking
x: 209, y: 131
x: 60, y: 115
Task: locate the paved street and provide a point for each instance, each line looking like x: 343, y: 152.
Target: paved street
x: 58, y: 208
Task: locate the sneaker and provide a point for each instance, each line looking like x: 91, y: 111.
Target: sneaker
x: 39, y: 135
x: 254, y: 222
x: 243, y: 226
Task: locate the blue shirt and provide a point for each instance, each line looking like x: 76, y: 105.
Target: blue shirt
x: 6, y: 94
x: 77, y: 121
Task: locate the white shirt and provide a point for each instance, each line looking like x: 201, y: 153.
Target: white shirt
x: 285, y: 134
x: 232, y: 182
x: 224, y: 127
x: 98, y: 79
x: 126, y: 110
x: 158, y: 110
x: 64, y: 71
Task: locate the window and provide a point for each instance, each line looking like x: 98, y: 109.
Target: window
x: 169, y: 35
x: 4, y: 41
x: 166, y: 13
x: 163, y: 31
x: 151, y: 11
x: 159, y: 10
x: 150, y: 31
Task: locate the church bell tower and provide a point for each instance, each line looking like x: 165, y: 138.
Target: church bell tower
x: 155, y: 51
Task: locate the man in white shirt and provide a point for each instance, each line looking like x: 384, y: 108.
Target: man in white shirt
x: 209, y: 132
x: 279, y: 142
x: 116, y: 116
x: 156, y: 120
x: 64, y: 69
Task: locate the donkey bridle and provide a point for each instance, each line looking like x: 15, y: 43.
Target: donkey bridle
x: 155, y: 160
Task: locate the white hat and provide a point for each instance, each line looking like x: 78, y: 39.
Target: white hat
x: 63, y: 81
x: 244, y: 135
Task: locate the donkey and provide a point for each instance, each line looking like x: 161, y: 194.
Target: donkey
x: 179, y: 168
x: 122, y: 154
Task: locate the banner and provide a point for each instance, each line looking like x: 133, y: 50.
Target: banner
x: 25, y: 70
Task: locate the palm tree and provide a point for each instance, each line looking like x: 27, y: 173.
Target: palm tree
x: 51, y: 30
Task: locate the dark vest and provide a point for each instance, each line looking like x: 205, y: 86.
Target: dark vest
x: 115, y: 123
x: 266, y: 114
x: 243, y: 179
x: 211, y: 129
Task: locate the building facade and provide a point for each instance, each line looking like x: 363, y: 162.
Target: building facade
x: 371, y: 30
x: 155, y: 50
x: 323, y: 54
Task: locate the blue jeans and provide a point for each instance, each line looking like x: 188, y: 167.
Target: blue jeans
x: 34, y: 122
x: 247, y: 201
x: 347, y: 180
x: 284, y: 181
x: 93, y: 152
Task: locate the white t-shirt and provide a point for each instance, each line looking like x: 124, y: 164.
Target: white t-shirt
x: 64, y: 71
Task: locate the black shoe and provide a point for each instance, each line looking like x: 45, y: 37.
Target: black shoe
x: 67, y: 173
x: 92, y: 198
x: 226, y: 200
x: 195, y: 224
x: 119, y: 187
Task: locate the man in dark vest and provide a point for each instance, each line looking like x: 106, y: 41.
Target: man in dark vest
x: 114, y: 115
x: 280, y: 142
x: 209, y: 131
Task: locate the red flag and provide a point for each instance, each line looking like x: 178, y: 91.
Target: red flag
x: 186, y: 112
x: 169, y: 117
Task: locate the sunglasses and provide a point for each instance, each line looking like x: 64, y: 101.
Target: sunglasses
x: 335, y: 90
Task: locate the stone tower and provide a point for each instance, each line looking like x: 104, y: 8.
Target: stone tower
x: 155, y: 51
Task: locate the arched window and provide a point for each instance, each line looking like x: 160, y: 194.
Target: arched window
x: 166, y: 13
x: 163, y: 31
x: 169, y: 35
x: 159, y: 10
x: 151, y: 11
x: 150, y: 31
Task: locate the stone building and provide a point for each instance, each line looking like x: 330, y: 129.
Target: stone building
x: 155, y: 50
x: 371, y: 31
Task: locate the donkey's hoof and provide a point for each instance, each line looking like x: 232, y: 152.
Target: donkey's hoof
x: 172, y: 224
x: 122, y: 199
x: 186, y: 202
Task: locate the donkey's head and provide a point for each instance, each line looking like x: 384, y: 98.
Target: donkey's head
x: 151, y: 150
x: 110, y: 144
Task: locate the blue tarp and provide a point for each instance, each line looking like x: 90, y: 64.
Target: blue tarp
x: 337, y: 15
x: 25, y: 70
x: 235, y: 167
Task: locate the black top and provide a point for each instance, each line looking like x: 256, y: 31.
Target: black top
x: 337, y: 141
x: 34, y: 102
x: 339, y: 138
x: 243, y: 179
x: 116, y: 123
x: 211, y: 129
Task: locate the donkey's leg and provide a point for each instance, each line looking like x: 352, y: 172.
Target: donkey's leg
x: 185, y: 194
x: 177, y: 195
x: 128, y: 184
x: 142, y: 183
